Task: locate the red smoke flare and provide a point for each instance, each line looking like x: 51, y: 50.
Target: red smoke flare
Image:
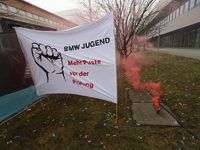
x: 132, y: 65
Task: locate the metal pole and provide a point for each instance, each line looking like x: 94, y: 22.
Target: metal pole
x: 159, y: 37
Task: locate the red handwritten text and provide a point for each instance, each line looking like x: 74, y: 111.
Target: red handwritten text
x: 80, y: 73
x: 84, y: 62
x: 90, y: 85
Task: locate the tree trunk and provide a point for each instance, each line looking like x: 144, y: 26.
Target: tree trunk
x: 143, y: 49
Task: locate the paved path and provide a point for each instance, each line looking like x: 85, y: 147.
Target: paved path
x: 191, y: 53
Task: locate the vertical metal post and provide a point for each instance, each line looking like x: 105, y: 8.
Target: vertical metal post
x: 158, y: 36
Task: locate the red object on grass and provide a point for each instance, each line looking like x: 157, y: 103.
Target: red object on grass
x: 72, y: 138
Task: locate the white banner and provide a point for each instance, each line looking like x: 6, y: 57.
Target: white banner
x: 81, y: 60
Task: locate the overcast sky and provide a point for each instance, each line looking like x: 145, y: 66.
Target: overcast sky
x: 54, y: 5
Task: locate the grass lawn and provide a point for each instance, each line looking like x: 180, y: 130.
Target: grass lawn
x: 76, y: 122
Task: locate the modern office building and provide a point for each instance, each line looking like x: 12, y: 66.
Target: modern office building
x: 177, y: 25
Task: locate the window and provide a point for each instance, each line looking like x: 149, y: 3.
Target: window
x: 46, y: 20
x: 197, y: 2
x: 197, y: 38
x: 58, y: 24
x: 174, y: 15
x: 51, y: 22
x: 21, y: 12
x: 36, y: 17
x: 170, y: 17
x: 41, y: 18
x: 3, y: 6
x: 54, y: 23
x: 29, y: 15
x: 192, y: 4
x: 12, y: 9
x: 192, y: 38
x: 177, y: 12
x: 181, y: 10
x: 187, y: 39
x: 186, y: 6
x: 1, y: 28
x: 183, y: 39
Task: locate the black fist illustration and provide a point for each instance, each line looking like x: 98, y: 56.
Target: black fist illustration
x: 48, y: 59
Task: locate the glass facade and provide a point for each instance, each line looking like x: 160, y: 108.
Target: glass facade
x: 181, y: 39
x: 197, y: 39
x: 12, y: 9
x: 186, y: 6
x: 46, y: 20
x: 181, y: 10
x: 192, y: 38
x: 174, y: 15
x: 3, y: 6
x: 41, y: 18
x: 29, y: 15
x: 21, y: 12
x: 1, y: 28
x: 192, y: 2
x: 177, y: 12
x: 170, y: 17
x: 189, y: 37
x: 36, y: 17
x: 197, y: 2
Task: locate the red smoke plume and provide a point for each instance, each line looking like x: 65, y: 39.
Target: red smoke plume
x: 132, y: 65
